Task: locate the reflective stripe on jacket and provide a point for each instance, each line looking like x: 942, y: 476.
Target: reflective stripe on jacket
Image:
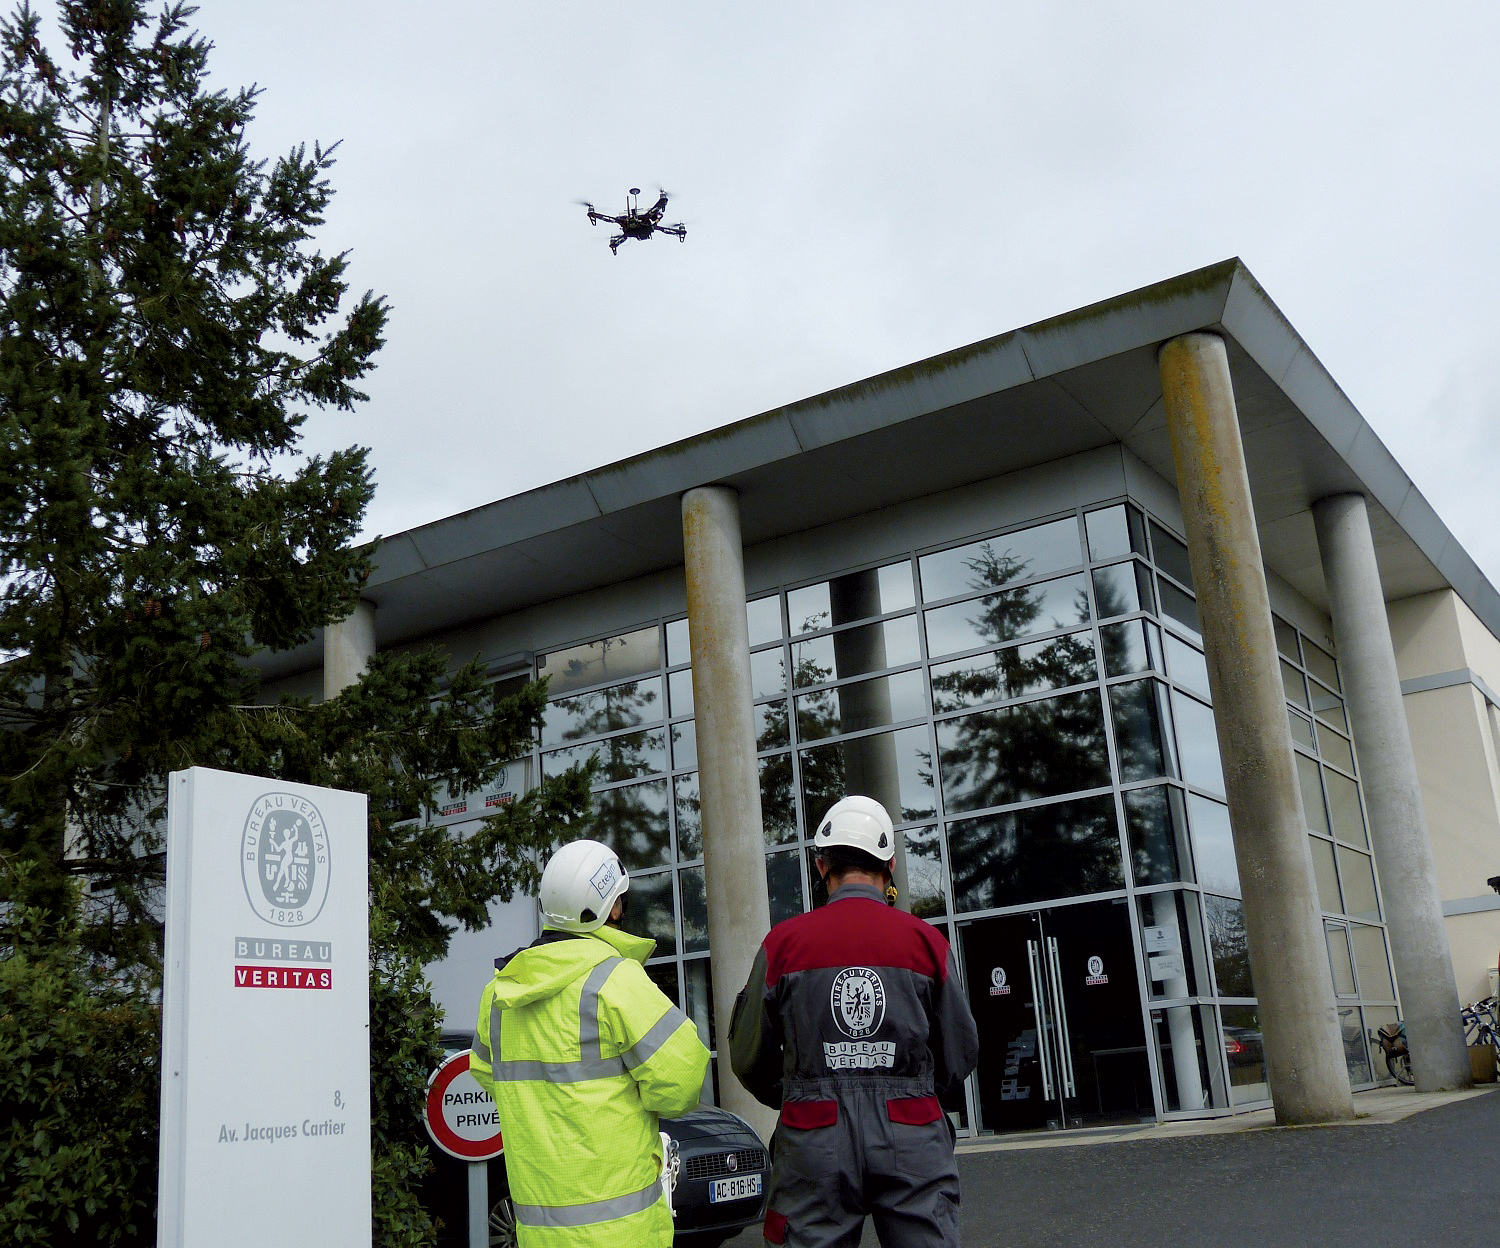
x: 590, y: 1052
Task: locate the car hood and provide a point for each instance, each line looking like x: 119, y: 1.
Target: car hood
x: 709, y: 1123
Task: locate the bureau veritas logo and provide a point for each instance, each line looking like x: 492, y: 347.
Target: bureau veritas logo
x: 284, y: 859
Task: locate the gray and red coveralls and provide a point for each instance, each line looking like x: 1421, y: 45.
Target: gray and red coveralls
x: 851, y: 1024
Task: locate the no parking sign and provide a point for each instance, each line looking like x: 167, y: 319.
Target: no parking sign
x: 460, y: 1116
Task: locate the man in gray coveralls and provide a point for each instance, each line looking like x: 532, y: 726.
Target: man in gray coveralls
x: 852, y: 1023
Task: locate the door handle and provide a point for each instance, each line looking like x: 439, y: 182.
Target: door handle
x: 1064, y: 1040
x: 1039, y: 996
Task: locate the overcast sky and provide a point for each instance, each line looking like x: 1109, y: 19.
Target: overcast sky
x: 866, y: 183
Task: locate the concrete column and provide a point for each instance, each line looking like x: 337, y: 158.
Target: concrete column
x: 1388, y: 776
x: 1304, y: 1052
x: 348, y: 647
x: 734, y: 862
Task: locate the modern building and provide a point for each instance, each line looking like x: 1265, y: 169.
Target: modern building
x: 967, y: 592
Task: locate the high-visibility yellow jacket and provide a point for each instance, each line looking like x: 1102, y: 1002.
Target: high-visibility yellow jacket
x: 589, y: 1053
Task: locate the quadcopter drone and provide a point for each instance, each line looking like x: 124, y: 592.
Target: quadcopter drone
x: 635, y: 223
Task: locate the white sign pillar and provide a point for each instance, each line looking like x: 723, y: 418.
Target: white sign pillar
x: 265, y: 1090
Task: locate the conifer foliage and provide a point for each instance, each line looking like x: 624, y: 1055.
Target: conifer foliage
x: 167, y: 323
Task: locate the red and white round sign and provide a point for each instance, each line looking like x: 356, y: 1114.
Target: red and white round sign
x: 461, y: 1118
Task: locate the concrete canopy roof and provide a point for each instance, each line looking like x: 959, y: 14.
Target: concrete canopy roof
x: 1073, y: 383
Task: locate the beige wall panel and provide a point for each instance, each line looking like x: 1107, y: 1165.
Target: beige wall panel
x: 1448, y: 736
x: 1425, y: 634
x: 1475, y: 939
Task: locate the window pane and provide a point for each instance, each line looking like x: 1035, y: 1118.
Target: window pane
x: 1117, y: 589
x: 1000, y: 675
x: 633, y: 654
x: 1187, y: 666
x: 778, y: 809
x: 1331, y: 708
x: 1134, y: 646
x: 1115, y: 531
x: 1302, y: 730
x: 1036, y: 749
x: 855, y: 652
x: 604, y: 710
x: 1357, y: 876
x: 700, y: 998
x: 1001, y: 560
x: 1334, y: 748
x: 1356, y: 1055
x: 1213, y: 845
x: 1340, y: 961
x: 772, y: 731
x: 1246, y: 1052
x: 620, y: 758
x: 853, y: 596
x: 1320, y: 663
x: 689, y: 817
x: 1343, y: 805
x: 680, y: 690
x: 863, y: 704
x: 1139, y: 710
x: 997, y: 618
x: 1312, y: 795
x: 895, y: 768
x: 763, y: 619
x: 784, y: 884
x: 679, y: 648
x: 1371, y: 962
x: 1326, y: 875
x: 1295, y: 685
x: 633, y: 822
x: 1063, y: 850
x: 924, y: 873
x: 649, y: 912
x: 1173, y: 944
x: 1171, y: 555
x: 694, y: 910
x: 1286, y: 639
x: 767, y: 673
x: 1328, y: 704
x: 684, y: 745
x: 1179, y: 606
x: 1197, y: 743
x: 1231, y: 948
x: 1157, y: 830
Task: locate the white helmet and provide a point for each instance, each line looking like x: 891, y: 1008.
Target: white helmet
x: 860, y: 823
x: 580, y: 885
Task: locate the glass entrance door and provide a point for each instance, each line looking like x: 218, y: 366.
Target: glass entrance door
x: 1056, y: 998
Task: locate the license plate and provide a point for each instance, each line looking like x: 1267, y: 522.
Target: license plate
x: 737, y: 1188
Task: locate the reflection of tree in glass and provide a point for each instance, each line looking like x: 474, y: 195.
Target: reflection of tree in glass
x: 1000, y: 757
x: 632, y: 821
x: 924, y: 873
x: 1064, y: 850
x: 1230, y: 944
x: 1113, y: 641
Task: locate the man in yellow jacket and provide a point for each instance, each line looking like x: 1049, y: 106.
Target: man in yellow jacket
x: 582, y: 1052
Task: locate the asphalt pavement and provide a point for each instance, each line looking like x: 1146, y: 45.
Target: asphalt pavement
x: 1413, y: 1170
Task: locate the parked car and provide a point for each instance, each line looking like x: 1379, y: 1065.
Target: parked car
x: 723, y: 1177
x: 1243, y: 1046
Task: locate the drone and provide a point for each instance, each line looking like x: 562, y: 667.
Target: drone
x: 635, y: 223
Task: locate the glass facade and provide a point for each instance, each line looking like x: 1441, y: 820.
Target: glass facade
x: 1033, y: 708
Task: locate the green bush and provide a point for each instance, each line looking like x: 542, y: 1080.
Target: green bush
x: 79, y: 1094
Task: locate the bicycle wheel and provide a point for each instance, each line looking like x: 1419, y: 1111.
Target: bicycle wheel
x: 1399, y: 1064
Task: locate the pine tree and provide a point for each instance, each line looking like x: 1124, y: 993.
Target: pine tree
x: 167, y: 324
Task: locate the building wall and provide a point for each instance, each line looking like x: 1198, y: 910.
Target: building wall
x: 1439, y: 642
